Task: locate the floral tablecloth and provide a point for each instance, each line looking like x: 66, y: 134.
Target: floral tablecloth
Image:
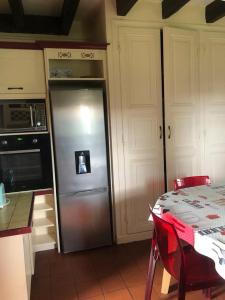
x: 202, y: 208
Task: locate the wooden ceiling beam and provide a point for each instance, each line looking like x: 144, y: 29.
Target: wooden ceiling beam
x: 17, y: 10
x: 215, y: 11
x: 124, y: 6
x: 32, y: 24
x: 170, y: 7
x: 67, y: 16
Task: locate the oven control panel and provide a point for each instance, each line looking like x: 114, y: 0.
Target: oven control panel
x: 4, y: 142
x: 15, y: 142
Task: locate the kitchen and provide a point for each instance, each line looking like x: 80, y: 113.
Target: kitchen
x: 131, y: 154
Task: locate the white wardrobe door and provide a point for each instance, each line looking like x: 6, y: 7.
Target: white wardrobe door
x: 140, y: 69
x: 213, y: 98
x: 182, y: 107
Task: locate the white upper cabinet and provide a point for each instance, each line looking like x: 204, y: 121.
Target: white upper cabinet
x: 22, y: 72
x: 182, y: 108
x: 213, y: 98
x: 75, y: 64
x: 140, y: 70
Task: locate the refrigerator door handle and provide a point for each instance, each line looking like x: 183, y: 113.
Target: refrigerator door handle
x: 86, y: 192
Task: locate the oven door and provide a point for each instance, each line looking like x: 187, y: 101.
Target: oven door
x: 22, y: 170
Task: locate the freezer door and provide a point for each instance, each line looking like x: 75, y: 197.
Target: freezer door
x: 79, y: 137
x: 85, y: 220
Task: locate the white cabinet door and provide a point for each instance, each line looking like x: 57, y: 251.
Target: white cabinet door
x: 182, y: 105
x: 22, y: 71
x: 140, y: 70
x: 213, y: 99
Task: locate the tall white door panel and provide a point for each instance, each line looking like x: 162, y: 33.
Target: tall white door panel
x: 140, y: 70
x: 213, y: 99
x: 182, y: 106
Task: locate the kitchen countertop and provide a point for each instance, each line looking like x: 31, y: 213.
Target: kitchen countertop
x: 16, y: 218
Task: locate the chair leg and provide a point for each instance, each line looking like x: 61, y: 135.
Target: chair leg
x: 207, y: 293
x: 181, y: 292
x: 151, y: 269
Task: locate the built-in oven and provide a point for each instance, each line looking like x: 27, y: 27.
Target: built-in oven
x: 22, y: 115
x: 25, y: 162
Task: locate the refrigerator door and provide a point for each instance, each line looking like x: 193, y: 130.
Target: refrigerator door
x: 79, y: 137
x: 85, y: 220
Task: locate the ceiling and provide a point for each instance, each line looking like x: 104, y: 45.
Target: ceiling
x: 44, y: 16
x: 51, y: 7
x: 57, y: 16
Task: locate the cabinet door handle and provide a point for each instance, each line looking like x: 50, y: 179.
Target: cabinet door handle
x: 169, y: 132
x: 15, y: 88
x: 160, y: 130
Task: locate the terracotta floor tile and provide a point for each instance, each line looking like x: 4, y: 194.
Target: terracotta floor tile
x: 84, y: 276
x: 112, y: 283
x: 88, y: 290
x: 64, y: 291
x: 108, y: 273
x: 41, y: 284
x: 119, y: 295
x: 133, y: 278
x: 97, y: 298
x: 138, y: 292
x: 42, y: 268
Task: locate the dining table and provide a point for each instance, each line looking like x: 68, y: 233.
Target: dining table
x: 198, y: 214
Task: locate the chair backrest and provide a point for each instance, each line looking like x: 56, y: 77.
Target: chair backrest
x: 169, y: 247
x: 185, y: 182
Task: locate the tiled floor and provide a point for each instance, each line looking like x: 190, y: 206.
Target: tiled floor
x: 110, y: 273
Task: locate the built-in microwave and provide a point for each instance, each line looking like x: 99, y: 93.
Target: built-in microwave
x: 25, y: 162
x: 22, y: 116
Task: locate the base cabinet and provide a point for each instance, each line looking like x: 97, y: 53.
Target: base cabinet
x: 17, y: 267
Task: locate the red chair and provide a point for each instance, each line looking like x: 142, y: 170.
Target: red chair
x: 185, y: 182
x: 193, y: 271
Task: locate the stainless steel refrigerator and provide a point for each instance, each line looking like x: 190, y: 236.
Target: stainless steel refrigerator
x: 83, y: 192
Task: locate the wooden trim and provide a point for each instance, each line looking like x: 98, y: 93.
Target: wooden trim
x: 124, y: 6
x: 19, y: 45
x: 40, y: 45
x: 43, y: 192
x: 170, y: 7
x: 215, y: 11
x: 70, y: 45
x: 16, y: 231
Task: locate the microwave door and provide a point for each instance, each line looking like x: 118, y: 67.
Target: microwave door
x: 15, y: 118
x: 39, y: 116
